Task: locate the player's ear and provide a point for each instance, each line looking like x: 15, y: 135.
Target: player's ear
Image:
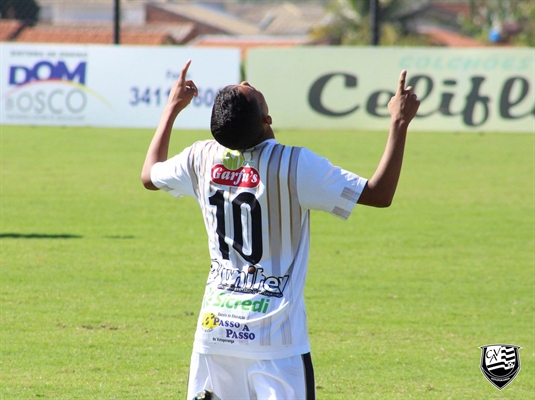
x: 268, y: 120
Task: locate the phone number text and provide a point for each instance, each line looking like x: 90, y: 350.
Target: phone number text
x: 149, y: 96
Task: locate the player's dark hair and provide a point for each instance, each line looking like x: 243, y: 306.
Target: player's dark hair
x: 237, y: 122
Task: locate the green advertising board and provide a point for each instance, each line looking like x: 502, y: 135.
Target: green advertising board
x: 349, y: 87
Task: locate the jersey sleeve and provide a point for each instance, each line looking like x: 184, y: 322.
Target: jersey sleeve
x: 174, y: 175
x: 323, y: 186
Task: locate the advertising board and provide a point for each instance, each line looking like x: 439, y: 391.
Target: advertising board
x: 108, y: 86
x: 478, y: 90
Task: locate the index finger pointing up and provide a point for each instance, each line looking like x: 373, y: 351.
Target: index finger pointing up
x: 401, y: 85
x: 184, y: 71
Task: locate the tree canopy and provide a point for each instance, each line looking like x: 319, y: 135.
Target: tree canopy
x: 491, y: 21
x: 348, y: 23
x: 24, y: 10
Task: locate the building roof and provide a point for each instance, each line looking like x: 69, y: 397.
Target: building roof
x: 94, y: 34
x: 209, y: 16
x: 436, y: 13
x: 439, y: 21
x: 110, y: 2
x: 9, y: 28
x: 458, y: 9
x: 180, y: 32
x: 443, y: 37
x: 245, y: 43
x: 280, y: 18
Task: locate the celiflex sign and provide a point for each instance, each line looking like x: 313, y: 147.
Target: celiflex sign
x: 477, y: 90
x: 474, y: 110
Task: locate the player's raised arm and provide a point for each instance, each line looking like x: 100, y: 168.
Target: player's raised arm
x: 380, y: 189
x: 181, y: 94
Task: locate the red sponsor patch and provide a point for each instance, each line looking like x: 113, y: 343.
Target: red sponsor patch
x: 242, y: 177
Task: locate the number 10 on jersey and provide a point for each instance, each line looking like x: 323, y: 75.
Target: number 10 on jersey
x: 246, y: 219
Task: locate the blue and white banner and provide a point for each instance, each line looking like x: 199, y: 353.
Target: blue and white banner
x: 108, y: 86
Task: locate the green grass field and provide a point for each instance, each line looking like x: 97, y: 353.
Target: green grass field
x: 101, y: 280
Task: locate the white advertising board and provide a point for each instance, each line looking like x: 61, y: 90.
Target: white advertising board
x: 490, y: 90
x: 108, y: 86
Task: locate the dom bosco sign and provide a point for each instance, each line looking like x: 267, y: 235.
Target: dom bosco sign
x: 55, y: 100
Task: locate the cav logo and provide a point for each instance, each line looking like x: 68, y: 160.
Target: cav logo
x: 45, y: 70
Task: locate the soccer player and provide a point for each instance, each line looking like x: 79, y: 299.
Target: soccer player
x: 255, y: 195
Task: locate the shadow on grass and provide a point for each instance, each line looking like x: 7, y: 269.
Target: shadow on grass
x: 38, y: 236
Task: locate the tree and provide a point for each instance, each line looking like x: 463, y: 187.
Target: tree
x: 24, y: 10
x: 348, y: 23
x: 501, y: 21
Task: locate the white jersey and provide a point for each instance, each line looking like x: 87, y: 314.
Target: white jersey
x: 256, y: 206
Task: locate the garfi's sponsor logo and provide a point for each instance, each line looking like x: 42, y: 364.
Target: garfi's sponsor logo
x: 235, y: 171
x: 245, y: 176
x: 248, y: 280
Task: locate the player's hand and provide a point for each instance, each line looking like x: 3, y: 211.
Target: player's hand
x: 404, y: 105
x: 182, y: 92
